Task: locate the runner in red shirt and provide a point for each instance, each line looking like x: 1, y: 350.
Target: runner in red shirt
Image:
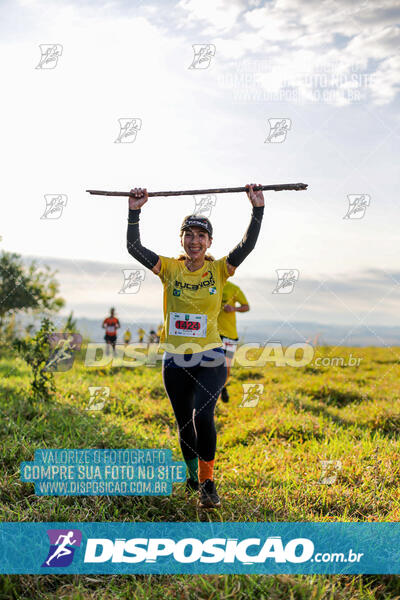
x: 111, y: 324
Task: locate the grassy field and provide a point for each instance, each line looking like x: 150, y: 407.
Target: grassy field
x: 268, y: 465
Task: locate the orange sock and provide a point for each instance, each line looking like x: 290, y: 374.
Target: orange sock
x: 206, y: 469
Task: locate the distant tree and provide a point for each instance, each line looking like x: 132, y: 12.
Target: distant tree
x: 26, y: 288
x: 71, y: 324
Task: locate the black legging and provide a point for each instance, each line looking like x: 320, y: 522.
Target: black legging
x: 193, y: 392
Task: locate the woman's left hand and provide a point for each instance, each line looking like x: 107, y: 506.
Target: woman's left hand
x: 255, y: 197
x: 229, y: 308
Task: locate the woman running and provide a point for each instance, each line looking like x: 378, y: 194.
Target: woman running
x: 194, y: 368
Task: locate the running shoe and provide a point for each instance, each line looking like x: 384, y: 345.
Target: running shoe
x: 208, y: 495
x: 224, y: 395
x: 192, y: 486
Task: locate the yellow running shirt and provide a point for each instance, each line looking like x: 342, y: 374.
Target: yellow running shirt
x: 227, y: 320
x: 192, y: 300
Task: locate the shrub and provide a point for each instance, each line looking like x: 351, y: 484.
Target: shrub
x: 36, y: 352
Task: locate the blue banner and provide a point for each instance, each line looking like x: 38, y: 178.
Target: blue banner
x: 214, y: 548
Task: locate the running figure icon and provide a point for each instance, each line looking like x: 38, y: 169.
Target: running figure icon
x: 62, y: 549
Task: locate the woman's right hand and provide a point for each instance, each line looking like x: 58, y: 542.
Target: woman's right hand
x: 137, y: 197
x: 255, y: 197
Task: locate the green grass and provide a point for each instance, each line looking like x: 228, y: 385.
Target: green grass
x: 267, y: 466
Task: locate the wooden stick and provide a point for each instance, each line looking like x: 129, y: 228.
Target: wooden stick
x: 277, y: 188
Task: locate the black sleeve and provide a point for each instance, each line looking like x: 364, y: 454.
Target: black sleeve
x: 146, y: 257
x: 243, y: 249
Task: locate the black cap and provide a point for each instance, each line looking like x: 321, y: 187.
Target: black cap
x: 197, y: 221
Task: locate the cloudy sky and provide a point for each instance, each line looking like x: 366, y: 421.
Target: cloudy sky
x: 328, y: 71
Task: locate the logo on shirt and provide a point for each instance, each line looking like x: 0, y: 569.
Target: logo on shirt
x: 213, y: 290
x: 196, y: 286
x: 176, y: 292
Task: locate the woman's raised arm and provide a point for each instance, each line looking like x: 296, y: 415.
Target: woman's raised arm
x: 146, y: 257
x: 243, y: 249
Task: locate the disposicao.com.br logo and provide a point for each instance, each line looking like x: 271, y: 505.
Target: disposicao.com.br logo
x: 202, y: 548
x: 213, y: 550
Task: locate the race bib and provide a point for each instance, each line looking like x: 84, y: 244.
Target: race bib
x: 187, y: 325
x: 229, y: 345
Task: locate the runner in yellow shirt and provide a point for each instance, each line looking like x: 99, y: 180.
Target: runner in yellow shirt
x: 127, y: 337
x: 231, y: 296
x: 141, y: 333
x: 194, y: 368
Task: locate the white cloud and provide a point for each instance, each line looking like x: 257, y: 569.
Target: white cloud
x: 385, y: 82
x: 366, y: 30
x: 221, y: 15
